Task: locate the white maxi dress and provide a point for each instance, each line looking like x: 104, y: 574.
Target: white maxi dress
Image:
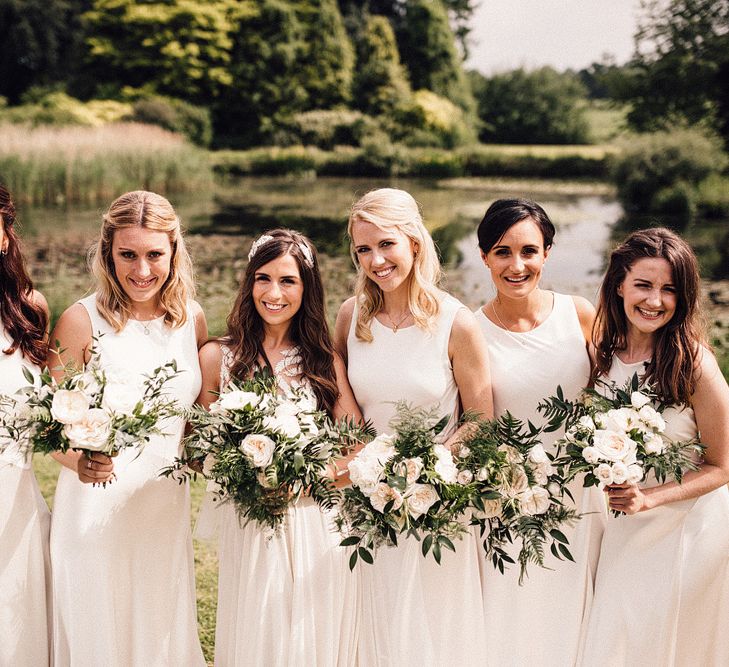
x: 24, y: 525
x: 284, y: 600
x: 545, y: 616
x: 123, y: 580
x: 662, y: 587
x: 412, y: 611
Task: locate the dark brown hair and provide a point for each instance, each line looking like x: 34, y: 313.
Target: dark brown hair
x: 672, y: 369
x: 504, y: 214
x: 24, y: 320
x: 308, y: 328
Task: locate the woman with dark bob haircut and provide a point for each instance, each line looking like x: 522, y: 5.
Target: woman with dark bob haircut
x: 662, y: 587
x: 537, y: 339
x: 286, y: 599
x: 24, y: 517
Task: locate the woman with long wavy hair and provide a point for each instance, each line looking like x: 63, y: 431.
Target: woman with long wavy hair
x: 24, y: 517
x: 404, y: 339
x: 662, y: 585
x: 121, y: 548
x: 286, y: 599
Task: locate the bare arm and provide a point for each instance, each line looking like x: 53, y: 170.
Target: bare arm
x: 341, y: 328
x: 211, y: 359
x: 586, y: 314
x: 711, y: 408
x: 69, y: 347
x: 470, y: 361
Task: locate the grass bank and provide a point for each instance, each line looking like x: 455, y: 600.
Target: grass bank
x: 588, y: 162
x: 90, y: 165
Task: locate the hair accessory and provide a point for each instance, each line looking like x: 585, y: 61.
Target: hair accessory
x: 4, y: 251
x: 306, y: 252
x: 261, y: 240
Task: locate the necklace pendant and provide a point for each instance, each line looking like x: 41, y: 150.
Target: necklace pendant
x: 146, y: 330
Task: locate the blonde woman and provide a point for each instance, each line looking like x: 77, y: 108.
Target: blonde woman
x: 121, y: 554
x: 406, y: 340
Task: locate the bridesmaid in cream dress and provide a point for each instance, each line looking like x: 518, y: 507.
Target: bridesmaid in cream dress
x: 123, y: 582
x: 537, y: 340
x: 404, y: 339
x: 662, y: 588
x: 287, y: 599
x: 24, y: 517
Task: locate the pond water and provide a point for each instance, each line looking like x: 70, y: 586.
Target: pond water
x: 583, y: 214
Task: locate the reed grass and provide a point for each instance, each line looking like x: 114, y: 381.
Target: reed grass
x: 90, y: 165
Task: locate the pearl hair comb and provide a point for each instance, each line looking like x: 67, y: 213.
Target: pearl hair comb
x: 265, y: 238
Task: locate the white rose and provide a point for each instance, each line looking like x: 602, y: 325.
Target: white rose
x: 620, y: 472
x: 287, y: 408
x: 420, y: 497
x: 534, y: 500
x: 69, y: 406
x: 121, y: 397
x: 238, y: 400
x: 365, y: 473
x: 638, y: 400
x: 91, y: 433
x: 483, y: 474
x: 410, y: 469
x: 492, y: 509
x: 604, y: 474
x: 463, y: 452
x: 590, y: 454
x: 653, y: 444
x: 258, y: 448
x: 444, y: 466
x: 635, y: 473
x: 516, y: 482
x: 601, y: 420
x: 208, y: 464
x: 614, y: 446
x: 586, y: 422
x: 384, y: 494
x: 512, y: 453
x: 622, y: 419
x: 652, y: 418
x: 464, y: 477
x: 288, y: 425
x: 537, y: 454
x: 88, y: 383
x: 382, y: 444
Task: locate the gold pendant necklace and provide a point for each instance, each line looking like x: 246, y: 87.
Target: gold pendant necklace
x: 396, y: 325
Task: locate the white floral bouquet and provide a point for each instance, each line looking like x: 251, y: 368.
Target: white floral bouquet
x: 406, y: 482
x: 517, y: 493
x: 618, y: 437
x: 93, y: 410
x: 263, y: 449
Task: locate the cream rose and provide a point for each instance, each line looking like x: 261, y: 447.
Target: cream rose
x: 491, y: 509
x: 590, y: 454
x: 121, y: 397
x: 258, y: 448
x: 534, y: 500
x: 365, y: 472
x: 653, y: 444
x: 410, y: 469
x: 512, y: 453
x: 238, y: 400
x: 542, y: 472
x: 638, y: 400
x: 515, y: 483
x: 384, y: 494
x: 463, y: 452
x: 604, y: 474
x: 620, y: 472
x: 420, y: 497
x: 615, y: 446
x: 444, y: 466
x: 652, y: 418
x: 69, y: 406
x: 285, y: 424
x: 91, y: 433
x: 483, y: 474
x: 537, y: 455
x: 635, y: 473
x: 464, y: 477
x: 586, y: 422
x: 622, y: 419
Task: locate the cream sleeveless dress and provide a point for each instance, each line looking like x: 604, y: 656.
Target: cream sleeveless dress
x: 24, y: 523
x: 412, y: 610
x: 284, y: 600
x: 662, y: 587
x: 123, y: 581
x: 546, y: 615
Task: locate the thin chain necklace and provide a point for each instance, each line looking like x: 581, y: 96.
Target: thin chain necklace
x: 145, y: 323
x: 513, y: 334
x: 396, y: 325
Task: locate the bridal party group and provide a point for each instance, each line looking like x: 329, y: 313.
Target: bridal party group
x: 108, y: 579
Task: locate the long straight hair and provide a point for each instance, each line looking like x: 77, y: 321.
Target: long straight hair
x: 390, y: 208
x: 673, y: 366
x: 24, y: 320
x: 308, y: 327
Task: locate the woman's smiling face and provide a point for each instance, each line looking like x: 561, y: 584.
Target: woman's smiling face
x: 649, y: 295
x: 278, y: 290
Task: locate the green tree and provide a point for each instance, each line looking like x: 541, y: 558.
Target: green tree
x: 524, y: 107
x: 428, y: 48
x: 40, y: 43
x: 681, y: 66
x: 380, y: 83
x: 176, y: 47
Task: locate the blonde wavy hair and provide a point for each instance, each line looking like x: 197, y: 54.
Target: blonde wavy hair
x: 150, y: 211
x: 390, y: 208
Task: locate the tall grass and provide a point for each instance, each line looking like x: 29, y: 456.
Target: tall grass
x: 57, y: 165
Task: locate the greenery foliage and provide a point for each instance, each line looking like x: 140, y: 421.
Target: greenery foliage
x: 523, y: 107
x: 175, y: 115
